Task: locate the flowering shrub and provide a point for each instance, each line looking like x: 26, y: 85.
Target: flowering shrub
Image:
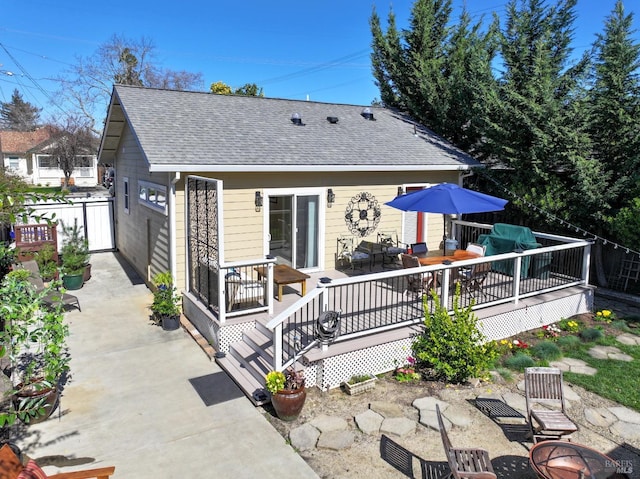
x: 550, y: 331
x: 569, y: 326
x: 605, y: 316
x: 520, y: 344
x: 408, y: 372
x: 503, y: 347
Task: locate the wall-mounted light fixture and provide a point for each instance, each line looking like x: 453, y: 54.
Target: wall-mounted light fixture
x: 331, y: 197
x: 400, y: 191
x: 258, y: 201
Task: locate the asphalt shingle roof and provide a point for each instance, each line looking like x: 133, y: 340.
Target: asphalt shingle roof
x: 193, y: 131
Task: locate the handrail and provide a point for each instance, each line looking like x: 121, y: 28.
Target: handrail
x: 384, y: 301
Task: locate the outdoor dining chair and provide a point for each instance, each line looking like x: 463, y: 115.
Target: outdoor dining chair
x: 417, y: 283
x: 468, y: 463
x: 545, y: 404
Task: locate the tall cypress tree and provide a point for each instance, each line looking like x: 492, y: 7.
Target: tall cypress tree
x: 539, y: 131
x: 441, y: 75
x: 615, y: 107
x: 19, y: 115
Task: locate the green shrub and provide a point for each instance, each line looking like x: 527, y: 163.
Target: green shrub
x: 591, y: 334
x: 453, y: 346
x: 519, y: 362
x: 621, y: 324
x: 569, y: 343
x: 546, y: 350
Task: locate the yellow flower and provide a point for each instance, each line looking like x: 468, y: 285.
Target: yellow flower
x: 606, y: 313
x: 599, y: 313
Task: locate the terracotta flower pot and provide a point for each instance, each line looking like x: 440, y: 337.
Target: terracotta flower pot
x: 288, y: 403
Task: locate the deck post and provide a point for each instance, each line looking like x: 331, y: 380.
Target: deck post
x: 446, y: 278
x: 586, y: 261
x: 270, y: 285
x: 324, y: 301
x: 517, y: 267
x: 277, y: 347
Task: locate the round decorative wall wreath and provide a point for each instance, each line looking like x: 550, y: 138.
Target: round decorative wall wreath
x: 363, y: 214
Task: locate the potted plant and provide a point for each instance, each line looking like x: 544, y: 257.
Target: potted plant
x: 166, y: 302
x: 47, y: 264
x: 75, y: 256
x: 287, y: 392
x: 34, y: 339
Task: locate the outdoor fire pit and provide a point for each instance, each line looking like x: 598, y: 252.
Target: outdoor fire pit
x: 567, y: 460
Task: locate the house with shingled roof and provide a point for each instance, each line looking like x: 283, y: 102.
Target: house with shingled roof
x: 26, y: 154
x: 242, y: 197
x: 290, y: 156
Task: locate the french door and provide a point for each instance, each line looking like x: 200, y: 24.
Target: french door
x: 294, y: 229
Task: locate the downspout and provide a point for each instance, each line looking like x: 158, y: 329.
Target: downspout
x: 173, y: 262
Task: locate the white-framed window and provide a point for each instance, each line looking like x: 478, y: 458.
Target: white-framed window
x: 153, y: 195
x: 47, y: 162
x: 125, y: 192
x: 14, y: 162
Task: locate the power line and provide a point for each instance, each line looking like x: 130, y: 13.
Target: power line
x: 33, y: 80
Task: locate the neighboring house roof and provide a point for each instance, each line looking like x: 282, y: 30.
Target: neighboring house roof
x: 196, y: 131
x: 19, y: 142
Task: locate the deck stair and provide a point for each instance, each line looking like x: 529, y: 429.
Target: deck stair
x: 247, y: 363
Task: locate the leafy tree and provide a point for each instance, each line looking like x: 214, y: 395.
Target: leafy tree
x: 15, y: 200
x: 19, y: 115
x: 248, y: 89
x: 87, y: 85
x: 615, y: 107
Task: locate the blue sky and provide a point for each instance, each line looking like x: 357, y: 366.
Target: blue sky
x: 293, y: 49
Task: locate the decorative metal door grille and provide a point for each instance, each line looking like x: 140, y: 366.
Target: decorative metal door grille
x: 203, y: 240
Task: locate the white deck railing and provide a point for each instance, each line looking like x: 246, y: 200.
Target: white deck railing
x: 381, y: 301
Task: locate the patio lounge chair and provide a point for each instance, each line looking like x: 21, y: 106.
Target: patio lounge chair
x: 52, y: 297
x: 12, y: 468
x: 349, y: 254
x: 465, y: 463
x: 543, y: 387
x: 241, y: 289
x: 391, y: 247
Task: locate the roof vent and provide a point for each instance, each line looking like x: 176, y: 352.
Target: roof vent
x: 296, y: 120
x: 367, y: 114
x: 332, y: 119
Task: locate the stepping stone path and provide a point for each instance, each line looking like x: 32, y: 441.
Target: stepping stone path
x: 334, y: 433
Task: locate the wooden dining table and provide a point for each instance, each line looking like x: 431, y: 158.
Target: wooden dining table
x: 458, y: 255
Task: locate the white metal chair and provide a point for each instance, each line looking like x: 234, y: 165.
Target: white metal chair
x: 391, y: 247
x: 348, y: 254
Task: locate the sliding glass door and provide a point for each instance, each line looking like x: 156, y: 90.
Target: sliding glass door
x: 294, y: 229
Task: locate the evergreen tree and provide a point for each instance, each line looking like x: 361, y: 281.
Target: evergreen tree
x: 440, y: 75
x: 19, y: 115
x: 539, y: 130
x: 615, y: 107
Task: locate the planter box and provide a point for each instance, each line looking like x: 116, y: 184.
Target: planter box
x: 361, y: 387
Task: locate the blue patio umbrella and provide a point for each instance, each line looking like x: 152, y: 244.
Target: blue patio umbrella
x: 447, y: 199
